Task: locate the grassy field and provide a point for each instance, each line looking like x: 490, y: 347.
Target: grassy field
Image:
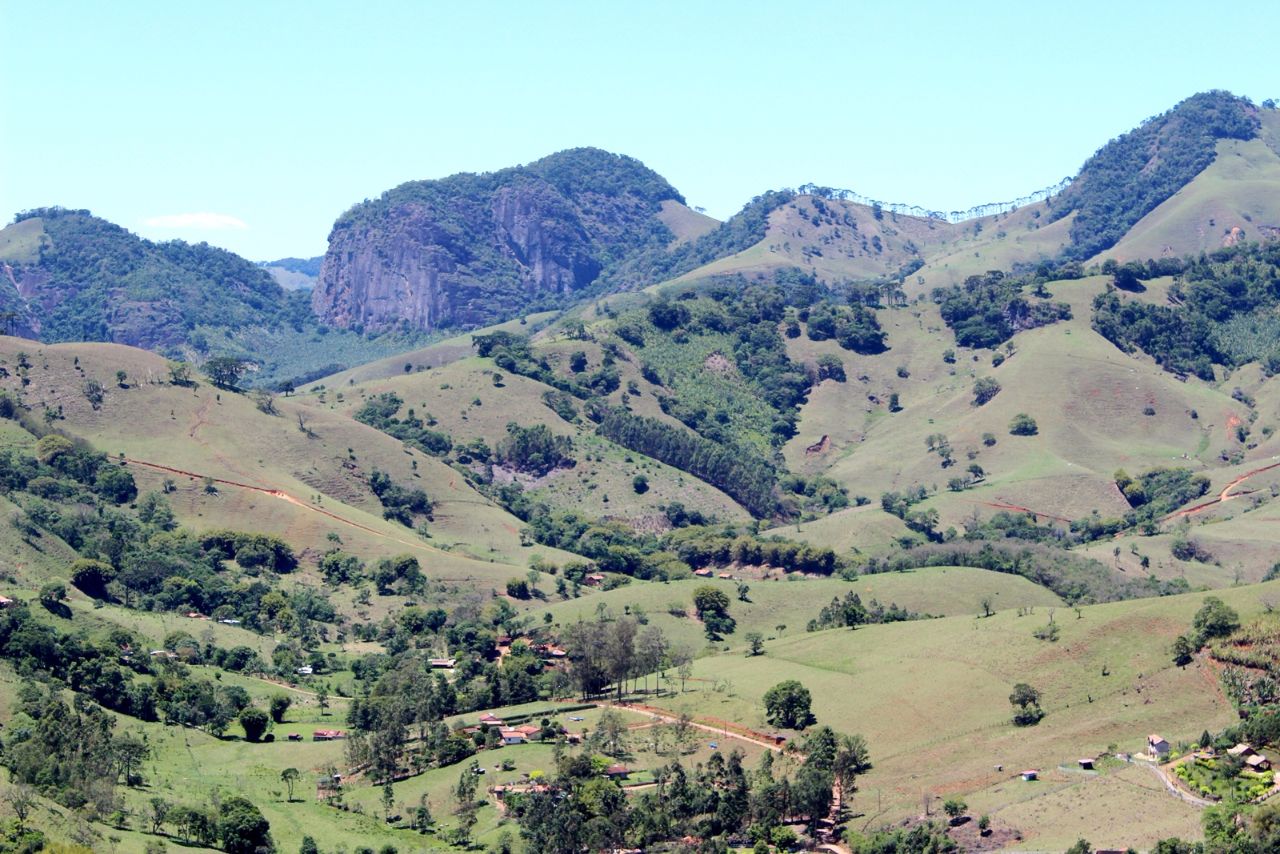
x: 791, y: 603
x: 20, y: 243
x: 685, y: 223
x: 433, y: 355
x: 931, y: 698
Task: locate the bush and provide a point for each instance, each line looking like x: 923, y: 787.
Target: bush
x: 985, y: 389
x: 254, y: 721
x: 1023, y: 425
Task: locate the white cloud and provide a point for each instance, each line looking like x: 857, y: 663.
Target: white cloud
x: 204, y: 220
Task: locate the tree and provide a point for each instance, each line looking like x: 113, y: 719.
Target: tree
x: 255, y: 723
x: 954, y: 808
x: 1023, y: 425
x: 94, y: 393
x: 788, y: 704
x: 289, y: 777
x: 308, y: 846
x: 280, y: 704
x: 121, y: 376
x: 640, y: 484
x: 52, y: 593
x: 242, y: 827
x: 1182, y: 651
x: 225, y: 371
x: 755, y: 642
x: 322, y: 698
x: 179, y: 374
x: 712, y: 606
x: 21, y: 798
x: 1026, y: 703
x: 578, y: 361
x: 388, y: 799
x: 1215, y: 619
x: 985, y: 389
x: 159, y: 812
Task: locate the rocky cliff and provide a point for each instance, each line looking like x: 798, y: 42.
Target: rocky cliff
x: 473, y: 249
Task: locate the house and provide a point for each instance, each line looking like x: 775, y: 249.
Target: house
x: 229, y: 622
x: 528, y: 730
x: 492, y: 720
x: 511, y: 736
x: 442, y: 663
x: 1030, y: 774
x: 594, y: 579
x: 617, y: 772
x: 573, y: 737
x: 1258, y: 762
x: 1157, y: 746
x: 1085, y: 764
x: 305, y: 670
x: 328, y: 735
x: 6, y: 602
x: 1244, y: 751
x: 728, y: 575
x: 702, y: 573
x: 163, y: 653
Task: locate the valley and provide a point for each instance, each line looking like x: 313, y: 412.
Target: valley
x: 547, y: 513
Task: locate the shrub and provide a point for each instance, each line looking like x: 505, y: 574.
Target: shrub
x: 1023, y: 425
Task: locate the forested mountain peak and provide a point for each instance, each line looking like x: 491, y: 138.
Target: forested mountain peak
x: 1133, y: 173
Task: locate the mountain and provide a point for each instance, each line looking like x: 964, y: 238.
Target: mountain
x: 884, y: 464
x: 77, y: 277
x: 472, y: 249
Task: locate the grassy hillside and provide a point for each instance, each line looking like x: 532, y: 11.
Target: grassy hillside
x: 1233, y: 200
x: 790, y: 603
x: 931, y: 699
x: 684, y: 222
x: 321, y: 476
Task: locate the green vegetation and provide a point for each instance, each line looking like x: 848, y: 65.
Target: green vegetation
x: 788, y: 704
x: 987, y: 310
x: 1222, y: 309
x: 1138, y: 170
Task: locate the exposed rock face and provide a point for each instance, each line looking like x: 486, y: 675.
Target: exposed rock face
x: 474, y: 249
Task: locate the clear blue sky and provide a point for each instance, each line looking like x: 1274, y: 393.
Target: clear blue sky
x: 278, y: 116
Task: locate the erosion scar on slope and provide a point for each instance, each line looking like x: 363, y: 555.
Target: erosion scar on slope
x: 284, y: 496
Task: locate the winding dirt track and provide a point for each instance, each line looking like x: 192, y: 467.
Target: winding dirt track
x: 1001, y: 505
x: 284, y: 496
x: 1223, y: 496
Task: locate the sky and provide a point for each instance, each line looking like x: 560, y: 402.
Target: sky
x: 253, y: 125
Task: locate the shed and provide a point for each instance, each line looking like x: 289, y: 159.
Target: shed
x: 328, y: 735
x: 442, y: 663
x: 617, y: 772
x: 1258, y: 762
x: 703, y: 573
x: 492, y: 720
x: 1157, y: 746
x: 1030, y: 774
x: 1086, y: 764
